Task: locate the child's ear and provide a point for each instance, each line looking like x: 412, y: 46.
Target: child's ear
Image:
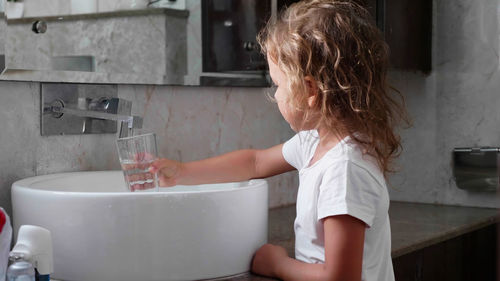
x: 312, y: 90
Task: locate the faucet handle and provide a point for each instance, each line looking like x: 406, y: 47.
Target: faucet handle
x: 111, y: 105
x: 103, y: 104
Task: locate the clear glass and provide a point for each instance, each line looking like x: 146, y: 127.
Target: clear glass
x: 136, y: 154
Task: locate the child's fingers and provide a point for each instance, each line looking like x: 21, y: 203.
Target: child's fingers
x: 164, y: 166
x: 167, y: 171
x: 165, y: 182
x: 141, y: 180
x: 157, y: 165
x: 144, y: 186
x: 148, y: 185
x: 135, y: 187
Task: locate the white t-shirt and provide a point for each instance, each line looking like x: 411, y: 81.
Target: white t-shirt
x: 342, y: 182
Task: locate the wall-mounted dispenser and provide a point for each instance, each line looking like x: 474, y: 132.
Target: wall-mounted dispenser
x: 476, y: 169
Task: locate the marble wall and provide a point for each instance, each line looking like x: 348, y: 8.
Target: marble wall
x: 115, y: 47
x: 191, y: 123
x: 456, y: 106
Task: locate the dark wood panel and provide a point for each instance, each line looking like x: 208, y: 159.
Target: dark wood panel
x: 472, y: 256
x: 408, y: 267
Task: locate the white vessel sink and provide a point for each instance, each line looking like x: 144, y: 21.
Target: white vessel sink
x: 101, y: 232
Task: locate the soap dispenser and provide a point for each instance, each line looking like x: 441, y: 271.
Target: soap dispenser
x: 34, y: 247
x: 20, y: 270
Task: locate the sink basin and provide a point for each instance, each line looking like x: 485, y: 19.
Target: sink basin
x: 101, y: 232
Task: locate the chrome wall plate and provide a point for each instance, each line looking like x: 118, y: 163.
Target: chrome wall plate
x: 476, y: 168
x: 78, y: 96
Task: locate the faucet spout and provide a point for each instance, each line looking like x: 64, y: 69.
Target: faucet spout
x: 127, y: 127
x: 127, y: 122
x: 96, y: 114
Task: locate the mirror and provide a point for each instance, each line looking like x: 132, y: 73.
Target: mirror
x: 162, y: 42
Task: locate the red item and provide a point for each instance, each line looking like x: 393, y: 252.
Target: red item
x: 3, y: 219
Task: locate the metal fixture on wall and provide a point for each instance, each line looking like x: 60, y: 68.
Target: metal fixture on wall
x: 84, y: 109
x: 476, y: 168
x: 39, y: 26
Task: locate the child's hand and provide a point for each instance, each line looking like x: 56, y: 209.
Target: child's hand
x: 168, y: 171
x: 267, y: 259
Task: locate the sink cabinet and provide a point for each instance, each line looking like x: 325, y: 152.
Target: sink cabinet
x: 471, y: 256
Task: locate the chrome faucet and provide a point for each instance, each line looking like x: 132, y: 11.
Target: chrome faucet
x: 103, y: 108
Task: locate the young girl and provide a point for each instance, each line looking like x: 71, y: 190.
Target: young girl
x: 328, y: 62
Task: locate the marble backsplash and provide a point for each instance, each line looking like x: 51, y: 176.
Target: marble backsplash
x: 148, y: 47
x: 456, y: 106
x: 190, y: 123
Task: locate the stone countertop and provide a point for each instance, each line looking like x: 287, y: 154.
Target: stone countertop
x: 416, y: 226
x: 413, y: 226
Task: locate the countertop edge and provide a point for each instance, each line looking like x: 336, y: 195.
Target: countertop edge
x: 447, y: 235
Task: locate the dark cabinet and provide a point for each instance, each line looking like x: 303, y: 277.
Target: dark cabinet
x: 230, y: 53
x: 233, y: 25
x: 407, y: 28
x: 472, y: 256
x: 408, y: 31
x: 231, y: 56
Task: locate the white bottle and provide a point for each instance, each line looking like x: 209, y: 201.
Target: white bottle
x: 5, y: 241
x: 21, y: 270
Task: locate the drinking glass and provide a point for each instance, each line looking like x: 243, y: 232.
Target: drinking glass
x: 136, y: 154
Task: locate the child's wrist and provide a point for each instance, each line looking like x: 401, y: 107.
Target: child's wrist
x: 280, y: 267
x: 181, y: 173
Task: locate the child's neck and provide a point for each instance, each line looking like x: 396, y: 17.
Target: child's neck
x: 327, y: 141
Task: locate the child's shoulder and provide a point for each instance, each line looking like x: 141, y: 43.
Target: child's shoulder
x: 349, y: 156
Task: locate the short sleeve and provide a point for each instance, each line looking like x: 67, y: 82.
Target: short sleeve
x: 348, y: 189
x: 292, y: 152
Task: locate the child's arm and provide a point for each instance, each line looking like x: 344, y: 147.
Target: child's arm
x: 234, y: 166
x: 344, y: 241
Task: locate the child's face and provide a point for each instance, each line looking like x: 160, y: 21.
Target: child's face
x: 282, y: 94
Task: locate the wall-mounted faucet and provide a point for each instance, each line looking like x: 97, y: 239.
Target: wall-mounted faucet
x: 127, y: 122
x: 85, y: 109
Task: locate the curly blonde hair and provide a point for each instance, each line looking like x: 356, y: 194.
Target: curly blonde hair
x: 338, y: 45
